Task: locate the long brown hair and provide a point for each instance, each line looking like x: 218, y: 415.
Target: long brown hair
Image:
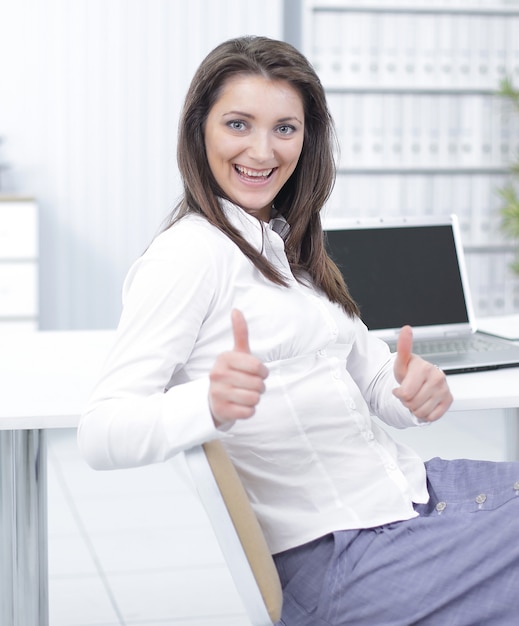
x: 306, y: 191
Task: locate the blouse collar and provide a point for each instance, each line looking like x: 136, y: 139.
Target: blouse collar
x: 252, y: 227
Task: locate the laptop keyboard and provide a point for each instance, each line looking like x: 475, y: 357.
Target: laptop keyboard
x: 457, y: 345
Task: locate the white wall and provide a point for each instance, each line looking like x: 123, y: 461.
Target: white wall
x: 90, y: 93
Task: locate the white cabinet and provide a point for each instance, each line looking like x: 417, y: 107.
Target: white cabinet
x: 19, y: 307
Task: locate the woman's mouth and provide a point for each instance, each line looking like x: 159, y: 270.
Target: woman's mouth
x: 256, y: 176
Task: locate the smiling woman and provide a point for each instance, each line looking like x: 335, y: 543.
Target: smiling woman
x: 237, y: 326
x: 254, y: 136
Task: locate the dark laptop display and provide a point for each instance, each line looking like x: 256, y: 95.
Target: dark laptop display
x: 411, y: 271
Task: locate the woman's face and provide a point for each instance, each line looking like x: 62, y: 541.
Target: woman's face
x: 253, y: 138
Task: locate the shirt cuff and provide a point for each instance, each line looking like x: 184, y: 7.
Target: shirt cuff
x: 186, y: 416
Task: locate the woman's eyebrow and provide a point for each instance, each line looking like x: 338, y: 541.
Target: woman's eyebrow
x: 240, y: 113
x: 290, y: 119
x: 250, y: 116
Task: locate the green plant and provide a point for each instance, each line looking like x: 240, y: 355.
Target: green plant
x: 509, y: 193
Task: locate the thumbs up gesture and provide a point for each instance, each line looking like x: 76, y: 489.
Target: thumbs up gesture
x: 237, y: 378
x: 423, y: 387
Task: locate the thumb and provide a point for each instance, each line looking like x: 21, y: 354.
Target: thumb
x: 240, y: 332
x: 404, y: 348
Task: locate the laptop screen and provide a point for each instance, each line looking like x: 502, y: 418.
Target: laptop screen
x: 401, y: 274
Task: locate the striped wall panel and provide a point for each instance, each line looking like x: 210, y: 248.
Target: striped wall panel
x: 90, y: 94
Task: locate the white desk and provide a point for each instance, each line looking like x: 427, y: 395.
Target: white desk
x: 45, y: 379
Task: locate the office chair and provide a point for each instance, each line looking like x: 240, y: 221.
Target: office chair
x: 237, y: 531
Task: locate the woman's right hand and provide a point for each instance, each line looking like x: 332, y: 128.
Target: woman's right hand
x: 237, y: 378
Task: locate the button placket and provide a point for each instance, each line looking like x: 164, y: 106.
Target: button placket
x: 369, y: 435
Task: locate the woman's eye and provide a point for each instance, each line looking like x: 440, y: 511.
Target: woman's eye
x: 237, y: 125
x: 286, y: 129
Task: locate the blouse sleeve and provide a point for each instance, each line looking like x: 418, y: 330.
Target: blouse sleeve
x: 133, y: 418
x: 371, y: 366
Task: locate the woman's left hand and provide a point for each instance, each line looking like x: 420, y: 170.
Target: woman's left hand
x: 423, y: 387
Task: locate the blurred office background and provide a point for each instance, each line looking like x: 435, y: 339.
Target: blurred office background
x: 90, y: 93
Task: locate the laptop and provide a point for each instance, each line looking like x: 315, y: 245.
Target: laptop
x: 412, y: 271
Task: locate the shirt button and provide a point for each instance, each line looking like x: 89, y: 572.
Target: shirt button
x: 516, y: 485
x: 441, y: 506
x: 369, y: 435
x: 391, y: 467
x: 481, y: 498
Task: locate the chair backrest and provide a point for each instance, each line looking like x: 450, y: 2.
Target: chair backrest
x: 237, y: 531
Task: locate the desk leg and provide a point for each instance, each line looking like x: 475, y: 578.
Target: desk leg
x: 23, y: 528
x: 512, y: 432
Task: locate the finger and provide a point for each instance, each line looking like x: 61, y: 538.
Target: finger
x: 233, y: 412
x: 225, y: 410
x: 425, y: 391
x: 228, y: 402
x: 242, y: 375
x: 240, y: 332
x: 432, y: 408
x: 243, y: 397
x: 404, y: 349
x: 414, y: 381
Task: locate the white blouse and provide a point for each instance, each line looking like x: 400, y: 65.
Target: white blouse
x: 312, y: 458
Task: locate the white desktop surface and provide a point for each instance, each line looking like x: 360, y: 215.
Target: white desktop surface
x: 492, y: 389
x: 47, y: 376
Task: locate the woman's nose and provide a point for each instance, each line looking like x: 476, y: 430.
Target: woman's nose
x: 261, y: 149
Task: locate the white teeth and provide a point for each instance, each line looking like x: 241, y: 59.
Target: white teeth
x: 252, y: 173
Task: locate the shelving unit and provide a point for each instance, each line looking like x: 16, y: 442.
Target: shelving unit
x: 18, y: 264
x: 413, y: 90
